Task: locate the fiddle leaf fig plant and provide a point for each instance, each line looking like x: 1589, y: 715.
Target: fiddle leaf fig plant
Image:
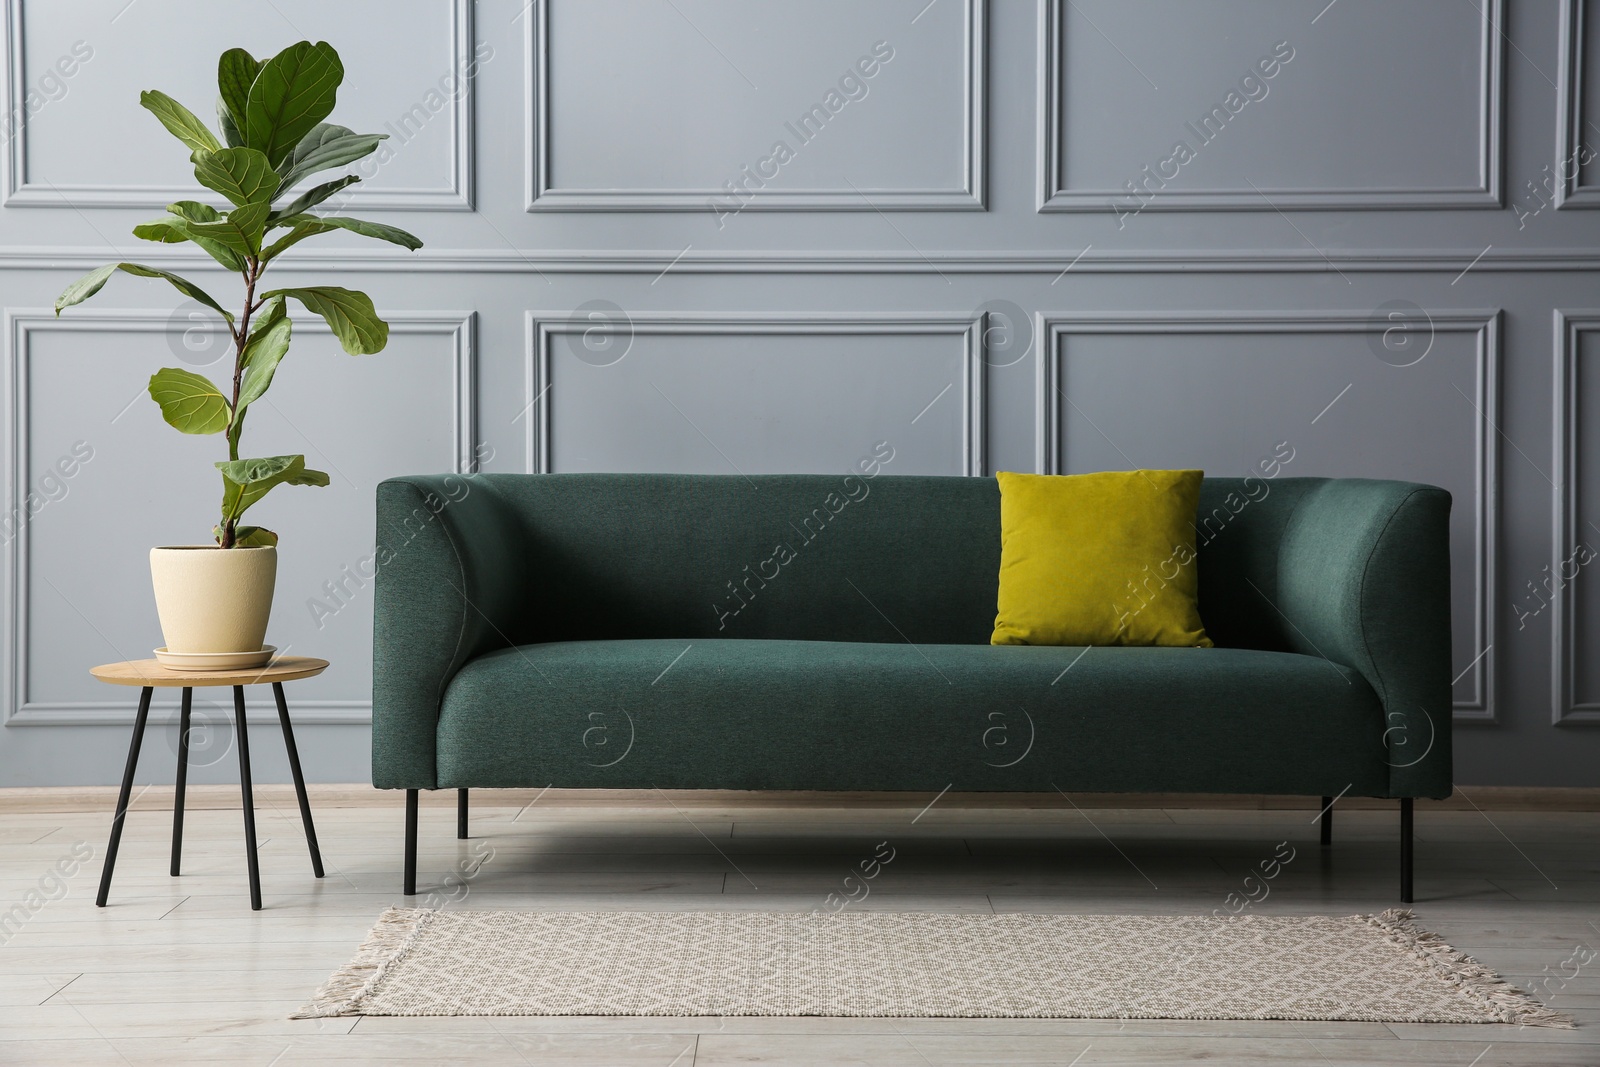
x: 270, y: 114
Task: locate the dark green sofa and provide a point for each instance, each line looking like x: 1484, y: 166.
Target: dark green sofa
x: 647, y: 631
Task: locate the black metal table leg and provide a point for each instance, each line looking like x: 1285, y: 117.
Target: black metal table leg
x: 242, y: 737
x: 122, y: 797
x: 461, y: 814
x: 409, y: 886
x: 182, y: 780
x: 299, y: 779
x: 1327, y: 821
x: 1405, y: 850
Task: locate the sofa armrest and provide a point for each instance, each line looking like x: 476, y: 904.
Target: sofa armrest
x: 1364, y: 580
x: 448, y: 586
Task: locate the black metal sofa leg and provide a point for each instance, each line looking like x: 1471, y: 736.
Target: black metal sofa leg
x: 1405, y: 850
x: 461, y: 814
x: 1327, y: 821
x: 411, y: 843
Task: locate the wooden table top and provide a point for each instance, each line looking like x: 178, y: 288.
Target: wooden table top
x: 143, y: 672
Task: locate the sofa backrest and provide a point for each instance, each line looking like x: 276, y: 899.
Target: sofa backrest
x: 829, y: 557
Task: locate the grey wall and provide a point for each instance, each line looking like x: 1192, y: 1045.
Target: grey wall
x: 1376, y: 256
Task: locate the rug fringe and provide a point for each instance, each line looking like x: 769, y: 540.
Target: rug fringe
x: 1510, y: 1003
x: 386, y: 945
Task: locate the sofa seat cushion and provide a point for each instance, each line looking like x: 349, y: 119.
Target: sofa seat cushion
x: 753, y: 714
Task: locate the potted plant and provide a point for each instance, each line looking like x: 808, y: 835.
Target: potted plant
x: 214, y: 600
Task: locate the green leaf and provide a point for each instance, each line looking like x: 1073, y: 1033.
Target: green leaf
x: 221, y: 253
x: 311, y: 225
x: 239, y: 230
x: 194, y: 211
x: 268, y: 315
x: 349, y: 314
x: 95, y: 280
x: 245, y: 481
x: 243, y: 175
x: 326, y: 146
x: 189, y: 402
x: 268, y: 343
x: 236, y: 72
x: 311, y: 198
x: 382, y: 231
x: 308, y: 476
x: 247, y: 472
x: 254, y: 537
x: 174, y: 228
x: 169, y: 229
x: 293, y: 91
x: 229, y: 128
x: 179, y: 121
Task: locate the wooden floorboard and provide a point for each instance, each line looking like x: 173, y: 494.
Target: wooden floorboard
x: 180, y: 971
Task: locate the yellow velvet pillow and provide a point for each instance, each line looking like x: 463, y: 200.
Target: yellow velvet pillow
x: 1099, y: 559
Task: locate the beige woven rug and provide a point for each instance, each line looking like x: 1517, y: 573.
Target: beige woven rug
x: 1373, y: 968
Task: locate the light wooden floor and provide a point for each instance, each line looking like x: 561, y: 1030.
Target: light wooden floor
x: 180, y: 971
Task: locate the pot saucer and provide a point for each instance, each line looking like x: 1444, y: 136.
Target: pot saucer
x: 215, y: 661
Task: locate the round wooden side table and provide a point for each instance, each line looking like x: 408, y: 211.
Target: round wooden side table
x: 150, y: 674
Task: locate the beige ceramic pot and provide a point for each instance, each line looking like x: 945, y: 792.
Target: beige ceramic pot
x: 213, y: 599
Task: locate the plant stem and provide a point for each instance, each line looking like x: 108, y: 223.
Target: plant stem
x: 253, y: 273
x: 240, y: 337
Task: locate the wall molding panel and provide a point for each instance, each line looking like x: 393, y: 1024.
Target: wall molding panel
x: 1565, y: 532
x: 1483, y: 325
x: 542, y: 327
x: 457, y: 195
x: 797, y: 261
x: 457, y: 328
x: 1569, y: 192
x: 541, y: 195
x: 1486, y: 193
